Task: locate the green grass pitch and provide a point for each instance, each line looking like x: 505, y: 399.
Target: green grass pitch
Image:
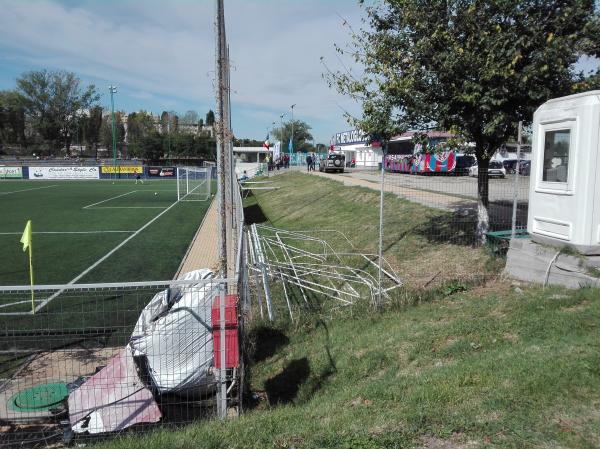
x: 76, y: 224
x: 84, y: 235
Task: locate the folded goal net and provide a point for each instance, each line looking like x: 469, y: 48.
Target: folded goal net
x: 193, y: 183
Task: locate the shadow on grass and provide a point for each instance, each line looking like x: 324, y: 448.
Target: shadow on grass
x: 283, y: 388
x: 267, y: 342
x: 317, y: 382
x: 253, y: 214
x: 459, y: 227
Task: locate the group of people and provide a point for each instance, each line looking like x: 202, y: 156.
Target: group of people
x: 311, y: 161
x: 282, y: 161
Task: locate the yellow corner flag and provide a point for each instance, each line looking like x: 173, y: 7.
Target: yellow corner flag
x: 26, y: 241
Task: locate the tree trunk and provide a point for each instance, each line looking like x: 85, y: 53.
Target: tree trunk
x: 483, y: 199
x: 68, y: 145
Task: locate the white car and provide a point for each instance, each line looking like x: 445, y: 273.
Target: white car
x: 495, y: 170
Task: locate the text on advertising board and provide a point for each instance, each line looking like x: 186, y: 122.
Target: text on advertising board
x: 123, y: 169
x: 168, y: 172
x: 11, y: 172
x: 350, y: 137
x: 64, y: 173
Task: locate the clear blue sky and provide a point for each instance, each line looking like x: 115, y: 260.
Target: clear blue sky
x: 161, y: 54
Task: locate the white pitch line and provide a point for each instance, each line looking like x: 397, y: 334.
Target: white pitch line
x: 103, y: 258
x: 69, y: 232
x: 27, y: 190
x: 113, y: 198
x: 2, y: 306
x: 130, y: 207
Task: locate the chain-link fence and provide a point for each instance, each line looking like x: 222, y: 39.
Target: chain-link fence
x: 108, y: 357
x: 431, y: 236
x: 96, y: 359
x: 454, y: 238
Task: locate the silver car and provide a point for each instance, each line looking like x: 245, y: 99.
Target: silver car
x: 333, y: 162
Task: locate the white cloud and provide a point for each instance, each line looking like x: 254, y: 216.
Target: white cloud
x: 165, y: 50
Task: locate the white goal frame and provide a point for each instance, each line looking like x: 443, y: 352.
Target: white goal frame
x: 194, y: 183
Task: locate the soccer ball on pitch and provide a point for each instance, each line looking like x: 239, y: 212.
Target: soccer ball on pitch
x: 155, y: 193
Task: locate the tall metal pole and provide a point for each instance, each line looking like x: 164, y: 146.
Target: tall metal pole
x: 169, y: 137
x: 232, y: 176
x: 222, y: 146
x: 281, y: 137
x: 113, y: 90
x: 281, y: 122
x: 292, y: 138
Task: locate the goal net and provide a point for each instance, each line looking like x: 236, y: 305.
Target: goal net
x: 193, y: 183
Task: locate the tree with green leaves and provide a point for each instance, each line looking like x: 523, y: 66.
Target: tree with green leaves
x: 92, y: 127
x: 12, y: 119
x: 139, y: 126
x: 244, y: 142
x: 106, y: 130
x: 190, y: 118
x: 210, y: 118
x: 302, y: 136
x: 54, y: 102
x: 151, y: 146
x: 476, y: 67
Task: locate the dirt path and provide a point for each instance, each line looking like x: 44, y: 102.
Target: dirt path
x: 430, y: 199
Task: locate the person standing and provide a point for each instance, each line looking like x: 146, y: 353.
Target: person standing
x: 314, y: 161
x: 308, y: 162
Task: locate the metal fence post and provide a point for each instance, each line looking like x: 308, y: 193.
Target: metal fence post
x: 222, y: 398
x: 381, y: 195
x: 516, y: 191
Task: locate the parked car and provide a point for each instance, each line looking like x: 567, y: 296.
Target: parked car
x: 510, y: 165
x: 525, y: 168
x: 333, y: 162
x: 495, y: 170
x: 463, y: 164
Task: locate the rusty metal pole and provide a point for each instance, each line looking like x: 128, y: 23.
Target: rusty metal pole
x: 221, y: 136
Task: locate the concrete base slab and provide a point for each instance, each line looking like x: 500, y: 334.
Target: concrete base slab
x: 531, y: 262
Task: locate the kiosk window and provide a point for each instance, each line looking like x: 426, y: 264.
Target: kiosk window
x: 556, y: 155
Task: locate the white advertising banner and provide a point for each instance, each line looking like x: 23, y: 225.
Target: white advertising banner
x: 64, y: 173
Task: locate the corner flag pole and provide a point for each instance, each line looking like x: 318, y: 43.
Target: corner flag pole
x: 26, y: 241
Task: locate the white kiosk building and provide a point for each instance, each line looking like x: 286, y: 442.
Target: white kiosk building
x: 355, y: 147
x: 564, y: 192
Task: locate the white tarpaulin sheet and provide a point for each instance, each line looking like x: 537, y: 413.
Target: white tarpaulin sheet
x: 113, y: 399
x: 174, y: 334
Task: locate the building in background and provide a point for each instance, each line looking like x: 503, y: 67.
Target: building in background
x: 354, y: 144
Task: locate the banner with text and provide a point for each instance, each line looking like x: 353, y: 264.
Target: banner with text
x: 167, y: 172
x: 138, y: 170
x: 64, y: 173
x: 11, y: 172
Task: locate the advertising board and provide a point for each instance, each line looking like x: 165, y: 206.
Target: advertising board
x: 64, y: 173
x: 350, y: 137
x: 123, y: 169
x: 11, y: 172
x: 166, y: 172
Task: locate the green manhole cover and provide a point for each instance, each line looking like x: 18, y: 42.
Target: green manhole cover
x: 40, y: 398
